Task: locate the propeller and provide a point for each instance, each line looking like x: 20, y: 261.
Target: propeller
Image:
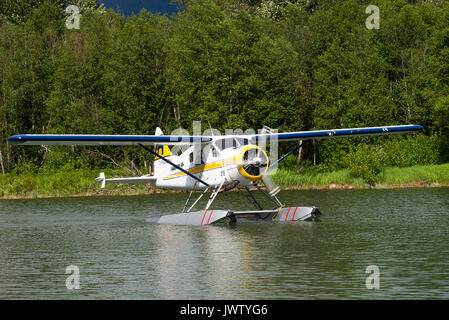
x: 255, y: 166
x: 254, y: 162
x: 269, y: 183
x: 267, y: 180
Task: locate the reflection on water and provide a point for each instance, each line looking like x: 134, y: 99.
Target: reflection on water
x: 404, y: 232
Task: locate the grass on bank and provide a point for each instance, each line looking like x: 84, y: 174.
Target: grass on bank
x: 419, y: 175
x: 429, y: 174
x: 62, y: 184
x: 81, y: 182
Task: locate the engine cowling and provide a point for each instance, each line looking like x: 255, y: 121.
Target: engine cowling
x: 253, y: 162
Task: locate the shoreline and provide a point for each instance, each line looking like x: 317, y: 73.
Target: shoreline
x: 334, y: 186
x: 80, y: 183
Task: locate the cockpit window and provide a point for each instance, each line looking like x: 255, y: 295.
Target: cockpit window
x: 242, y: 141
x: 226, y: 143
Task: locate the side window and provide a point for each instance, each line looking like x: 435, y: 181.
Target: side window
x: 192, y: 157
x: 226, y: 143
x: 220, y: 144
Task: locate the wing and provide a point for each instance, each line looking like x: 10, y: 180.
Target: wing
x: 336, y: 133
x: 92, y: 140
x: 112, y: 140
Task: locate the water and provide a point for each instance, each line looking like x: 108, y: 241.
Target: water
x: 404, y: 232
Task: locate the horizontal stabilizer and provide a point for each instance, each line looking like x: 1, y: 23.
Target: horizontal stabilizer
x: 133, y: 180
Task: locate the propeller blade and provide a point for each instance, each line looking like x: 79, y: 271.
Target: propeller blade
x: 272, y: 187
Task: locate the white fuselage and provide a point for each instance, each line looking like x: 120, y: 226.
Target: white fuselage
x: 220, y: 164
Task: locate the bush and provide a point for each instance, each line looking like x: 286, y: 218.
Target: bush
x: 61, y: 159
x: 331, y: 154
x: 366, y: 162
x: 411, y: 151
x: 28, y: 184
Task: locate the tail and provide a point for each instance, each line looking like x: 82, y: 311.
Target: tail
x: 161, y: 150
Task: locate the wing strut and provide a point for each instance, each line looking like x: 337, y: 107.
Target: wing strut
x: 172, y: 164
x: 285, y: 156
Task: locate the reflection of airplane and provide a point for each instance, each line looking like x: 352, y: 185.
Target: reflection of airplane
x: 212, y: 164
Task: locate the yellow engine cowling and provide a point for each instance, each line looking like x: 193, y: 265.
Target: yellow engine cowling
x: 252, y: 162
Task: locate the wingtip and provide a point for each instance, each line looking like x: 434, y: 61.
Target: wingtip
x: 17, y: 139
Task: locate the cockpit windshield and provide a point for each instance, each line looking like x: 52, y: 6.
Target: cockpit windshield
x: 226, y: 143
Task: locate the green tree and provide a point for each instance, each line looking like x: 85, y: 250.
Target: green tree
x: 235, y: 70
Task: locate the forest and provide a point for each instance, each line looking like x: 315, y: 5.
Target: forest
x: 289, y: 65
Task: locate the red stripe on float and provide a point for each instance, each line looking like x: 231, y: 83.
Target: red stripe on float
x: 287, y: 214
x: 210, y: 216
x: 293, y: 218
x: 203, y: 217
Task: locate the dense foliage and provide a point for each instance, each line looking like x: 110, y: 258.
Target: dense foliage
x: 290, y: 65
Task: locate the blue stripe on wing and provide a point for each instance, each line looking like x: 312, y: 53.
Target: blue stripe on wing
x: 335, y: 133
x: 102, y: 139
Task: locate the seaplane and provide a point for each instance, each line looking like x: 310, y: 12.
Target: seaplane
x: 212, y: 164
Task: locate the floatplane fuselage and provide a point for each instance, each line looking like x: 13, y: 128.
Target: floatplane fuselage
x: 220, y: 162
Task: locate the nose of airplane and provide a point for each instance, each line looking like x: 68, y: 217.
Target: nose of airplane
x: 254, y: 162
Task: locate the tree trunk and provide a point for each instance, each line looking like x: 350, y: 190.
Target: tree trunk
x: 8, y: 158
x: 1, y: 161
x: 300, y: 152
x: 299, y: 156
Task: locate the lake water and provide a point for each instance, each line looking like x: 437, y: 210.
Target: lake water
x: 404, y: 233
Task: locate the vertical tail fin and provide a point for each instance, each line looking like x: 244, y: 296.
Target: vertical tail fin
x: 161, y: 150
